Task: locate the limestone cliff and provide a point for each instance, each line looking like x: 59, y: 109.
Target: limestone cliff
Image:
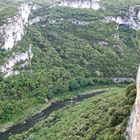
x: 21, y: 58
x: 14, y: 29
x: 133, y: 129
x: 131, y: 18
x: 12, y: 32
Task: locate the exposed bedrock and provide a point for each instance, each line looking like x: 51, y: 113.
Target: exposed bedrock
x: 14, y: 29
x: 133, y: 129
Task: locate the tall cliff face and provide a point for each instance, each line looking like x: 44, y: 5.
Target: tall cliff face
x: 12, y: 32
x: 133, y: 129
x: 14, y: 29
x: 136, y: 126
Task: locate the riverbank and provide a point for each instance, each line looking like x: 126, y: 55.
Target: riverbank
x: 29, y: 123
x: 31, y: 111
x: 26, y: 114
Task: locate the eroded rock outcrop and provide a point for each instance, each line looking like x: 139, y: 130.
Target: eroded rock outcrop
x: 12, y: 32
x: 21, y: 58
x: 38, y: 19
x: 89, y: 4
x: 122, y: 80
x: 14, y: 29
x: 133, y: 129
x: 131, y: 18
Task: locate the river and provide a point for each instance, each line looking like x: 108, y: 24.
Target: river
x: 30, y: 122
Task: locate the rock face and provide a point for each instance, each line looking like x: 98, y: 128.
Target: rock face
x: 131, y: 19
x: 12, y: 32
x: 79, y: 22
x: 14, y: 29
x: 133, y: 129
x: 136, y: 125
x: 22, y: 59
x: 38, y: 19
x: 89, y: 4
x: 122, y: 80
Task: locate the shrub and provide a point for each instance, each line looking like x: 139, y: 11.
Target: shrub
x: 73, y: 85
x: 129, y: 89
x: 118, y: 116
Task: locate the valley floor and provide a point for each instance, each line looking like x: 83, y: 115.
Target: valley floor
x: 36, y: 108
x: 104, y: 117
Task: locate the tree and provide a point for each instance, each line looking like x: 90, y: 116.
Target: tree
x: 73, y: 85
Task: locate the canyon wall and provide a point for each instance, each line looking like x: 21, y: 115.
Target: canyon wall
x: 133, y: 129
x: 12, y: 32
x: 131, y: 17
x: 14, y: 29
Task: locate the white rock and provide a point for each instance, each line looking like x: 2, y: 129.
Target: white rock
x: 121, y: 80
x: 7, y: 68
x: 93, y: 4
x: 103, y: 43
x: 98, y: 73
x: 129, y: 19
x: 46, y: 100
x: 14, y: 29
x: 126, y: 21
x: 79, y: 22
x: 38, y: 19
x: 139, y: 15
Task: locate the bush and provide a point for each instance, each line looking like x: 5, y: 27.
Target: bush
x: 119, y: 115
x: 73, y: 85
x: 90, y: 82
x: 129, y: 89
x: 82, y: 81
x: 130, y: 94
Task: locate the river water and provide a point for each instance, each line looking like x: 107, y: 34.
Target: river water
x: 30, y: 122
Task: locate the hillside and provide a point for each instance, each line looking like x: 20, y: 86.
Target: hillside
x: 52, y: 50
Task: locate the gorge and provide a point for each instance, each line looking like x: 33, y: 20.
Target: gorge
x: 51, y: 51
